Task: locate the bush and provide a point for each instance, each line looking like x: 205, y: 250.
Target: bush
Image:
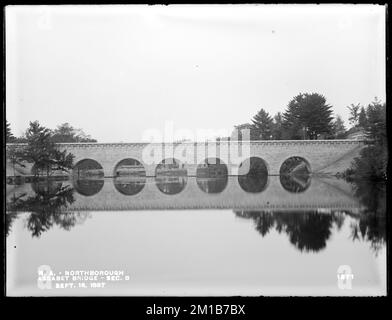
x: 371, y: 165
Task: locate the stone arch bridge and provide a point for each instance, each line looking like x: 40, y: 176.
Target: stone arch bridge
x: 323, y: 156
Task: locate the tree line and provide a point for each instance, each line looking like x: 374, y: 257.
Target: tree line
x: 309, y: 116
x: 63, y: 133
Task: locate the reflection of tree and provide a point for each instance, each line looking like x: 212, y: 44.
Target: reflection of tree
x: 371, y: 225
x: 11, y: 213
x: 307, y: 231
x: 47, y: 208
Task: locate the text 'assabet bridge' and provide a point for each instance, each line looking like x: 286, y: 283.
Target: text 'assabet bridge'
x: 321, y: 156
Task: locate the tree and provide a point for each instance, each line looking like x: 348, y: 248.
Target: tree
x: 376, y: 122
x: 262, y: 126
x: 373, y: 160
x: 362, y: 118
x: 277, y: 128
x: 307, y: 116
x: 339, y: 129
x: 42, y: 151
x: 354, y: 114
x: 9, y: 137
x: 66, y: 133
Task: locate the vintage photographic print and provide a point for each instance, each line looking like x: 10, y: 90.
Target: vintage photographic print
x: 195, y: 150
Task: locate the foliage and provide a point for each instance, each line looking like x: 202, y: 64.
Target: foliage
x: 376, y: 123
x: 42, y: 151
x: 277, y: 127
x: 14, y: 155
x: 372, y: 223
x: 63, y: 133
x: 362, y: 118
x: 339, y: 130
x: 66, y: 133
x: 307, y: 231
x: 47, y: 208
x: 307, y: 116
x: 9, y: 137
x: 354, y: 114
x: 370, y: 165
x: 373, y: 159
x: 262, y: 126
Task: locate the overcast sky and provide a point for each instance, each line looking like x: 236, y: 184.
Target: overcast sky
x: 117, y: 71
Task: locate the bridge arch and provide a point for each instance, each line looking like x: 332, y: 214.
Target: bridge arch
x: 88, y: 177
x: 212, y: 175
x: 87, y: 168
x: 295, y: 164
x: 295, y: 174
x: 129, y: 176
x: 253, y: 175
x: 171, y: 176
x: 129, y: 166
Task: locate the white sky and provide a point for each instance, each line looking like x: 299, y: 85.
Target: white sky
x: 117, y: 71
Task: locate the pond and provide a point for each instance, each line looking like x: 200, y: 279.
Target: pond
x: 178, y: 235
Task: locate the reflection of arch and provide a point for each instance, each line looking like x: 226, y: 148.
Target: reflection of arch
x: 130, y: 185
x: 171, y: 176
x: 129, y: 166
x: 88, y: 187
x: 295, y: 183
x: 295, y: 174
x: 212, y: 175
x: 87, y: 168
x: 253, y: 175
x: 46, y: 187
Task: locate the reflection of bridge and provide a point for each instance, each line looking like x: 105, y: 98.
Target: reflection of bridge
x: 323, y: 156
x: 322, y: 193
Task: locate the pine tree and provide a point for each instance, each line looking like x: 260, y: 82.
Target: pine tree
x: 9, y: 137
x: 376, y: 122
x: 307, y: 116
x: 362, y: 118
x: 262, y: 126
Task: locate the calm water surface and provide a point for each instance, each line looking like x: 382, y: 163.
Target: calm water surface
x: 189, y: 236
